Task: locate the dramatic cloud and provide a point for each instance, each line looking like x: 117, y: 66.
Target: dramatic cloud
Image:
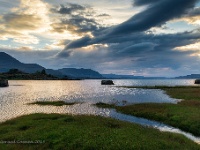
x: 140, y: 22
x: 82, y: 24
x: 194, y: 12
x: 144, y: 2
x: 103, y: 15
x: 138, y: 50
x: 25, y: 20
x: 152, y: 16
x: 69, y: 9
x: 147, y: 46
x: 109, y: 36
x: 77, y: 19
x: 192, y: 16
x: 22, y: 22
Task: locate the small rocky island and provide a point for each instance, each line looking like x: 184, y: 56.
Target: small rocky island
x: 4, y: 83
x: 197, y: 81
x: 107, y: 82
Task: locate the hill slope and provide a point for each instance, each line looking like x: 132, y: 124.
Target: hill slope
x: 81, y: 73
x: 8, y: 62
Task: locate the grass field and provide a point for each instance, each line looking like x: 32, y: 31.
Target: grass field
x: 56, y: 131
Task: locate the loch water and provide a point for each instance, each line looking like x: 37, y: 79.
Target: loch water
x: 14, y: 99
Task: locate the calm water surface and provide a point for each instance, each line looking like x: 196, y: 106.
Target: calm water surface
x: 14, y: 99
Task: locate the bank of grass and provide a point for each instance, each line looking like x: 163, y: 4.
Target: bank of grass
x: 184, y: 115
x: 56, y: 131
x: 52, y: 103
x: 178, y: 92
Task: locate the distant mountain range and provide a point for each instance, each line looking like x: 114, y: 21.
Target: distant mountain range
x: 81, y: 73
x: 115, y: 76
x: 8, y: 62
x: 192, y: 76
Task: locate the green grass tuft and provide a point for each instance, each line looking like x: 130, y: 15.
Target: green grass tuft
x: 53, y: 103
x: 104, y: 105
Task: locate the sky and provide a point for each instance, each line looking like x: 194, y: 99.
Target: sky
x: 134, y: 37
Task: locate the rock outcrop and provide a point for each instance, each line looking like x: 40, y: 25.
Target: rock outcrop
x: 4, y: 83
x: 107, y: 82
x: 197, y: 81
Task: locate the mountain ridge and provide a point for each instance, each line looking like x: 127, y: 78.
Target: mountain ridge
x: 191, y: 76
x: 8, y: 62
x: 81, y: 73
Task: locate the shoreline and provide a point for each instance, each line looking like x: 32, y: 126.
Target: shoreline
x: 184, y: 115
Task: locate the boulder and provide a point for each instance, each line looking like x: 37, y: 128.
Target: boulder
x: 197, y: 81
x: 107, y: 82
x: 3, y: 83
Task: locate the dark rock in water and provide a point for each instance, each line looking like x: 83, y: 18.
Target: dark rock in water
x: 197, y: 81
x: 107, y: 82
x: 4, y: 83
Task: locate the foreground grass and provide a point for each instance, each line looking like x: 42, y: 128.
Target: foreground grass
x: 184, y: 115
x: 55, y: 131
x: 52, y: 103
